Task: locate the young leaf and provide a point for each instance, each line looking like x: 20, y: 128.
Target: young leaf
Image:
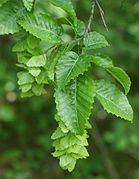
x: 75, y: 103
x: 68, y: 143
x: 113, y: 100
x: 25, y: 78
x: 57, y: 134
x: 42, y: 78
x: 20, y: 46
x: 26, y: 87
x: 41, y: 26
x: 32, y: 41
x: 34, y: 71
x: 27, y: 94
x: 37, y: 61
x: 94, y: 40
x: 28, y: 4
x: 9, y: 13
x: 37, y: 89
x: 69, y: 66
x: 67, y: 162
x: 23, y: 57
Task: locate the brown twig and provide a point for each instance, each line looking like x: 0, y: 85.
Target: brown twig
x: 88, y: 27
x: 102, y: 14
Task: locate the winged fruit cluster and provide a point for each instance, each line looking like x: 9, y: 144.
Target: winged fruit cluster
x: 45, y: 57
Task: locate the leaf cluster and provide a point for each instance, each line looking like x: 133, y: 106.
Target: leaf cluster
x: 46, y: 58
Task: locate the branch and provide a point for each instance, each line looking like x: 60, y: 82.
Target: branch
x: 88, y: 28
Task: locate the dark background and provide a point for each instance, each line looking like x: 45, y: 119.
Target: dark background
x: 27, y: 124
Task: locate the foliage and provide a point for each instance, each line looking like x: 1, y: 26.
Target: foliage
x: 67, y: 74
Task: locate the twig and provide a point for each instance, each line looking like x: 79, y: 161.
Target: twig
x: 104, y: 152
x: 88, y: 28
x: 102, y: 14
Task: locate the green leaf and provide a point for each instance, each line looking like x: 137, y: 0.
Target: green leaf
x: 25, y: 88
x: 69, y: 140
x: 71, y: 145
x: 37, y: 89
x: 80, y: 150
x: 62, y: 125
x: 9, y: 13
x: 67, y: 6
x: 57, y: 134
x: 20, y: 46
x: 94, y: 40
x: 27, y: 94
x: 25, y: 78
x: 37, y: 61
x: 76, y: 151
x: 32, y: 41
x: 80, y: 28
x: 75, y: 103
x: 70, y: 66
x: 102, y: 61
x: 28, y: 4
x: 23, y: 57
x: 113, y: 100
x: 67, y: 162
x: 121, y: 76
x: 52, y: 61
x: 42, y: 27
x: 42, y: 78
x: 34, y: 71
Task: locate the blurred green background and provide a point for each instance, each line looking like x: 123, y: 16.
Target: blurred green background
x: 27, y: 124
